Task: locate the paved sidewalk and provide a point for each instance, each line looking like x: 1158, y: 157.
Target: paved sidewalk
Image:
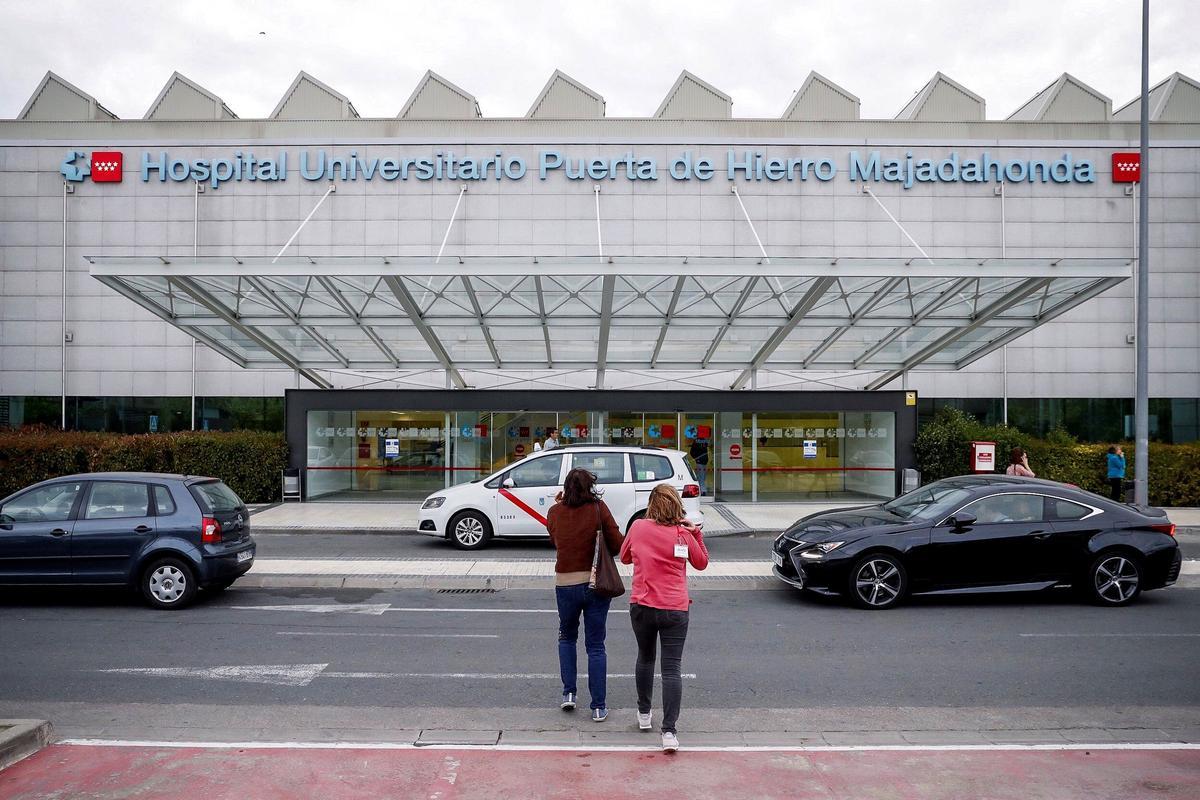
x: 151, y: 770
x: 719, y: 518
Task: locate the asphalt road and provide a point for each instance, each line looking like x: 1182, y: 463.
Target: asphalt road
x: 753, y: 649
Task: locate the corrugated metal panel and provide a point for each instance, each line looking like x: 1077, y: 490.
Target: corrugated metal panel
x: 631, y: 131
x: 692, y: 98
x: 1033, y: 107
x: 309, y: 98
x: 1183, y: 104
x: 58, y: 100
x: 944, y: 100
x: 182, y: 98
x: 1177, y: 99
x: 437, y: 98
x: 821, y: 98
x: 1132, y: 111
x: 563, y: 97
x: 1068, y: 99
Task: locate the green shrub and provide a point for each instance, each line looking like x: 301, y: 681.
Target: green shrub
x: 249, y: 461
x: 943, y: 449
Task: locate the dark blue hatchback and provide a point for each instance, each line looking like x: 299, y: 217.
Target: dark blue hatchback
x: 165, y: 535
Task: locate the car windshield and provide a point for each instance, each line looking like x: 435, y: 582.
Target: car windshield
x: 928, y: 501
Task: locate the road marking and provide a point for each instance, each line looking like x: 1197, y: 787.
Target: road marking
x: 566, y: 747
x: 479, y: 676
x: 388, y: 634
x: 273, y: 674
x: 1109, y: 635
x: 374, y: 609
x: 496, y: 610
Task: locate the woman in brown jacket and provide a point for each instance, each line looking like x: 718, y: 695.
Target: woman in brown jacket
x: 572, y: 523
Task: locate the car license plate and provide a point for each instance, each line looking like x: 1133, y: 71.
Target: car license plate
x: 778, y: 559
x: 245, y: 555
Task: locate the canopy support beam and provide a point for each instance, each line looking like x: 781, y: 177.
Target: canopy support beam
x: 810, y: 299
x: 409, y: 304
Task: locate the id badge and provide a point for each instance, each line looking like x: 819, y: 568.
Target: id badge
x: 681, y: 550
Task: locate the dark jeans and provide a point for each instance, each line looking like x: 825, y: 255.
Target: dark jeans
x: 573, y: 601
x: 1117, y: 488
x: 649, y: 626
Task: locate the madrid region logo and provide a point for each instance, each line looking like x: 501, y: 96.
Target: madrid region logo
x: 103, y: 166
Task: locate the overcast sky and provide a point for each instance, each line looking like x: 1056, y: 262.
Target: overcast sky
x: 630, y: 51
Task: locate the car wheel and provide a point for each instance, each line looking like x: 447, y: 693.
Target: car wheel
x: 470, y: 530
x: 1114, y: 579
x: 877, y: 581
x: 168, y: 583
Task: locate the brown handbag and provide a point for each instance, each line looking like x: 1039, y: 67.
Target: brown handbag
x: 605, y: 580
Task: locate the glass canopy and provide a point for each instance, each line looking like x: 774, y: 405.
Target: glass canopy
x: 882, y: 315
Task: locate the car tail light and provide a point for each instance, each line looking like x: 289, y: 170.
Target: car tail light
x: 210, y: 531
x: 1168, y: 529
x: 691, y: 490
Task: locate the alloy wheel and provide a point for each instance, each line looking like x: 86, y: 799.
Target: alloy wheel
x: 468, y: 531
x: 1116, y: 579
x: 878, y: 582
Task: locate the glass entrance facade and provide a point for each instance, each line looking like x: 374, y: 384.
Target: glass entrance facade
x: 737, y: 456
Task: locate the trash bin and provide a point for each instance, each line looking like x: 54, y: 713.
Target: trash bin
x: 292, y: 489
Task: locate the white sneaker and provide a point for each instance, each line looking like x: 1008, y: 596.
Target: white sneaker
x: 670, y: 743
x: 644, y: 723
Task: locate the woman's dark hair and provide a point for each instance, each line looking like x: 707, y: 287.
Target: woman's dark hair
x: 1113, y: 449
x: 1016, y: 455
x: 580, y: 488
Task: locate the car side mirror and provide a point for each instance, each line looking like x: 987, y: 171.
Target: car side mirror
x: 508, y: 483
x: 963, y: 520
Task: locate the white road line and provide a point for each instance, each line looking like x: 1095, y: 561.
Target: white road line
x: 479, y: 676
x: 374, y: 609
x: 397, y: 635
x: 496, y: 610
x: 1109, y: 635
x: 271, y: 674
x: 884, y: 748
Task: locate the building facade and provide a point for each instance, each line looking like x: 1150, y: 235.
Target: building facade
x: 188, y: 268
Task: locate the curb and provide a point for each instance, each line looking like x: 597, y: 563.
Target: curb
x: 473, y: 584
x: 20, y: 738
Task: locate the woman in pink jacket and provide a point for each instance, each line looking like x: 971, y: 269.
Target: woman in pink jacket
x: 660, y: 547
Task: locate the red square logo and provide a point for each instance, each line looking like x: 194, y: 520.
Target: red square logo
x: 1127, y: 167
x: 668, y: 431
x: 107, y: 166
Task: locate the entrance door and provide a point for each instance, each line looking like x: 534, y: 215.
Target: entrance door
x: 700, y: 442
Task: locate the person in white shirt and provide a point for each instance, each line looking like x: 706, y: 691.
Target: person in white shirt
x: 551, y: 439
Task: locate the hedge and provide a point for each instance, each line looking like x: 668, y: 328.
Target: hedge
x: 943, y: 449
x: 248, y: 461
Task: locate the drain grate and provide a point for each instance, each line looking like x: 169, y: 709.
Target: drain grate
x: 466, y: 591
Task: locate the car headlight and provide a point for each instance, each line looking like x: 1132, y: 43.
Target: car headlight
x: 433, y: 502
x: 817, y: 551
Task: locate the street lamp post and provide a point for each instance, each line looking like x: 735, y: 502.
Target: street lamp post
x: 1141, y: 453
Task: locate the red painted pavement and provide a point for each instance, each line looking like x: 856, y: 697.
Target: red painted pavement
x: 75, y: 771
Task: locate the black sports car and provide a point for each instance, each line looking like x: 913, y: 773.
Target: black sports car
x: 981, y: 533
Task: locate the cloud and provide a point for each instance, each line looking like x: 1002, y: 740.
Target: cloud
x: 630, y: 52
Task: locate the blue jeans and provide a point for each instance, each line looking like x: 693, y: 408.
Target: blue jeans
x: 573, y: 601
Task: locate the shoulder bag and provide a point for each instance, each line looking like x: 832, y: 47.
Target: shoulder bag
x: 605, y: 580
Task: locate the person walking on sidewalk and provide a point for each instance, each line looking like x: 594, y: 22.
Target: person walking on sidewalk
x: 572, y: 522
x: 1116, y: 472
x: 660, y: 547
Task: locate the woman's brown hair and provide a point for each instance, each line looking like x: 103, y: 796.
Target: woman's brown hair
x: 665, y: 507
x: 1016, y: 456
x: 579, y: 488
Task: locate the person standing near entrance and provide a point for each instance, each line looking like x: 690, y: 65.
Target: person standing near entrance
x: 572, y: 522
x: 699, y: 454
x: 1116, y: 472
x: 551, y: 439
x: 660, y: 546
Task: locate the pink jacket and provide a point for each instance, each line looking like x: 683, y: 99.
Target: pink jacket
x: 659, y: 577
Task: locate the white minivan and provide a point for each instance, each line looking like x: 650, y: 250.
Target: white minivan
x: 514, y: 501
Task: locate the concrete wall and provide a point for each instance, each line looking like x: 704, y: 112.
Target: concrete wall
x: 119, y: 349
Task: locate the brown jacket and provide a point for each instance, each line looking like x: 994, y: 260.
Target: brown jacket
x: 573, y: 532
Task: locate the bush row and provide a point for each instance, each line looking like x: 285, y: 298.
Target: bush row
x: 248, y: 461
x: 943, y: 449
